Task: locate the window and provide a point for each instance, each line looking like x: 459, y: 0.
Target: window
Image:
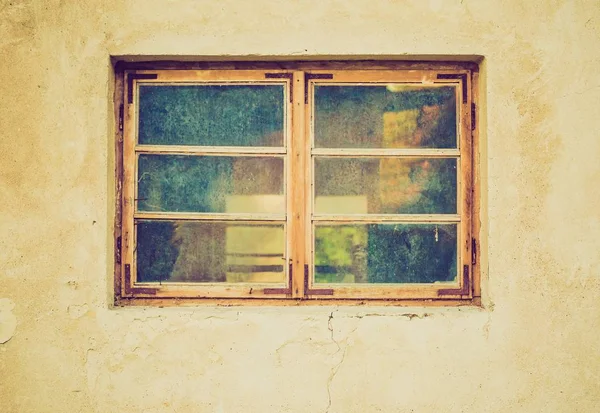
x: 296, y: 182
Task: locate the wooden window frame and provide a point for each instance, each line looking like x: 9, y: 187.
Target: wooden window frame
x: 299, y: 79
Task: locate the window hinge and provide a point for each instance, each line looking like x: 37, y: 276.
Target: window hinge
x: 289, y: 76
x: 134, y: 76
x: 118, y: 250
x: 121, y: 117
x: 320, y: 291
x: 310, y: 76
x: 473, y: 251
x: 473, y: 116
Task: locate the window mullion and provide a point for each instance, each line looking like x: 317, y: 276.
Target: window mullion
x: 297, y: 186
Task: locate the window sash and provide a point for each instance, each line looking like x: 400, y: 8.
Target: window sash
x: 299, y: 153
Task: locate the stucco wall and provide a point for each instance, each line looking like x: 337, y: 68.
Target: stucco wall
x: 534, y: 348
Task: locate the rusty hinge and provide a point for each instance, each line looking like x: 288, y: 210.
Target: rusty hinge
x: 287, y: 290
x: 473, y: 251
x: 134, y: 76
x: 462, y: 77
x: 118, y: 250
x: 310, y: 76
x: 473, y: 116
x: 308, y: 291
x: 121, y: 117
x: 289, y: 76
x: 466, y: 285
x: 127, y: 276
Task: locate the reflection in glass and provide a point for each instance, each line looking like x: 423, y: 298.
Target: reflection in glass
x: 211, y: 115
x: 180, y: 251
x: 385, y: 253
x: 385, y: 186
x: 178, y: 183
x: 390, y: 116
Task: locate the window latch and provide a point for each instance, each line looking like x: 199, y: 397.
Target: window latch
x: 121, y: 117
x: 118, y: 250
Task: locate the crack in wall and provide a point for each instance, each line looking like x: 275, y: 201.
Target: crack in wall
x: 332, y: 376
x: 410, y: 316
x: 330, y: 328
x: 336, y: 368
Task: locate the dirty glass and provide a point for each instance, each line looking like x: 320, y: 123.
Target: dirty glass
x: 180, y: 251
x: 385, y: 116
x: 218, y: 184
x: 385, y: 185
x: 385, y: 253
x: 211, y: 115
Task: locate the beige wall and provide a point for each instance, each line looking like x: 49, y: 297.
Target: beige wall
x: 534, y: 348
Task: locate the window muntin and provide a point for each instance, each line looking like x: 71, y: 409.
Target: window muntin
x: 390, y: 195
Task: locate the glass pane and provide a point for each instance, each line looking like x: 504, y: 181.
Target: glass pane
x: 171, y: 251
x: 385, y: 253
x: 178, y: 183
x: 385, y: 186
x: 390, y: 116
x: 211, y: 115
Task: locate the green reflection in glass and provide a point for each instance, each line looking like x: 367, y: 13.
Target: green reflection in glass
x: 180, y: 251
x: 178, y: 183
x: 390, y: 116
x: 211, y: 115
x: 385, y: 253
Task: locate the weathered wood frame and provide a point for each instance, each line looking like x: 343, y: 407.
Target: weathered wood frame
x: 299, y: 154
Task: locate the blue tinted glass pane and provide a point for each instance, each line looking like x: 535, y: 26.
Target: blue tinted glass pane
x: 211, y: 115
x: 219, y: 184
x: 390, y: 116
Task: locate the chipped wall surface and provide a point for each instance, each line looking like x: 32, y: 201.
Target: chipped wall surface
x: 535, y: 347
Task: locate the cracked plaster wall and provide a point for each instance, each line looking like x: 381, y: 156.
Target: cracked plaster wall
x: 534, y: 348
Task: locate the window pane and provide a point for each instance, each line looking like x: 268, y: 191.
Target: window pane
x: 390, y: 116
x: 385, y: 253
x: 178, y: 183
x: 171, y: 251
x: 385, y: 186
x: 211, y: 115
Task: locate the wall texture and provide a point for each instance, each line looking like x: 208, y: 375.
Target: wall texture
x: 534, y: 348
